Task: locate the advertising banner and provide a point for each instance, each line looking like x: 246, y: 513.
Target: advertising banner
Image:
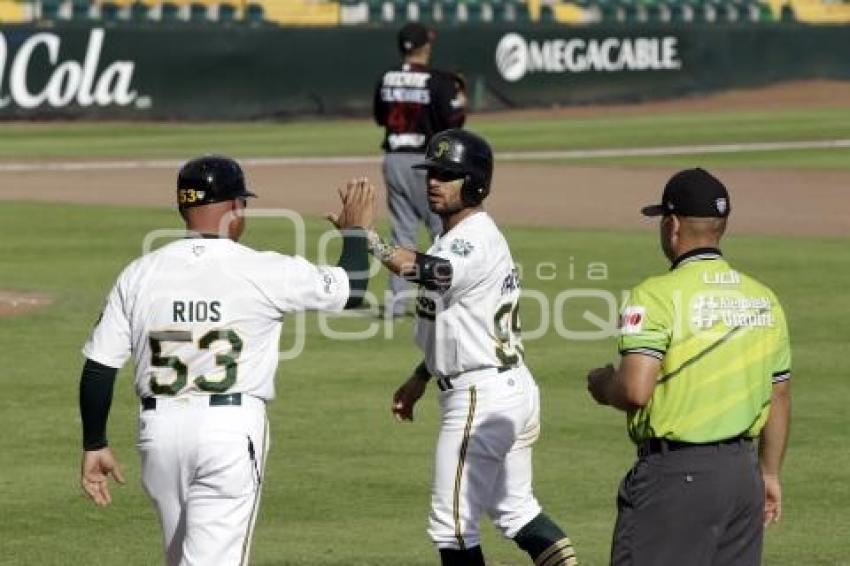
x: 230, y: 73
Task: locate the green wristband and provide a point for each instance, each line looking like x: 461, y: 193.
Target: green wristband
x: 421, y: 372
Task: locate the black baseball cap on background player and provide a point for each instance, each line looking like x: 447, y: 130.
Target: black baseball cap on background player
x: 413, y: 36
x: 692, y: 192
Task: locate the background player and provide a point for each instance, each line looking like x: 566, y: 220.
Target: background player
x: 413, y: 102
x: 468, y: 329
x: 202, y: 318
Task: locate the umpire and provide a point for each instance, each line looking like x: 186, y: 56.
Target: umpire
x: 413, y: 102
x: 705, y: 370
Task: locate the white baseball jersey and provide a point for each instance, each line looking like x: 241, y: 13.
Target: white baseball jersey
x: 203, y: 315
x: 489, y: 402
x: 475, y: 323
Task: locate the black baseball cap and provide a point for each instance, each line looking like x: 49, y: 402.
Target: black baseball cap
x: 413, y: 36
x: 692, y: 192
x: 209, y: 179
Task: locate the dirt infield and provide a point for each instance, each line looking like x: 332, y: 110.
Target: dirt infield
x: 14, y: 303
x: 764, y: 202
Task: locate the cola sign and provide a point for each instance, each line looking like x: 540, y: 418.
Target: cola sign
x: 84, y: 83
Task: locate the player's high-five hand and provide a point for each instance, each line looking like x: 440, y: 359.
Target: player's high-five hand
x: 359, y: 206
x: 96, y: 467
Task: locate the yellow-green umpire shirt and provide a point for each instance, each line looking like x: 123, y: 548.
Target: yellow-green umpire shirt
x: 722, y: 340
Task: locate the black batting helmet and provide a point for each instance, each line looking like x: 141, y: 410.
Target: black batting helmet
x: 208, y: 179
x: 462, y: 153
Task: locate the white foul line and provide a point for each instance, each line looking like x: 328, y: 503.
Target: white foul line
x: 371, y: 159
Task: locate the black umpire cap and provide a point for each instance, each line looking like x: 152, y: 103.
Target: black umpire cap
x: 413, y: 36
x: 692, y: 192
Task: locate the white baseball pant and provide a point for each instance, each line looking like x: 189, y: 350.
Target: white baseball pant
x: 490, y: 420
x: 202, y: 466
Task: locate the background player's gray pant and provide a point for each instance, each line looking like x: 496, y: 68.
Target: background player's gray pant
x: 407, y: 200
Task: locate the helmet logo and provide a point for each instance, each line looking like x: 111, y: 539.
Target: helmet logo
x: 442, y: 149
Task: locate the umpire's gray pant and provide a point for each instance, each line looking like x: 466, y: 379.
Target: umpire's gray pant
x: 407, y: 200
x: 701, y: 505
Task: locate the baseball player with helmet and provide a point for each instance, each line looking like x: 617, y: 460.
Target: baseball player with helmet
x: 412, y: 102
x: 468, y: 329
x: 202, y: 318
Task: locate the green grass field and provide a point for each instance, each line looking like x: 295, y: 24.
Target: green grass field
x: 346, y: 485
x: 361, y: 137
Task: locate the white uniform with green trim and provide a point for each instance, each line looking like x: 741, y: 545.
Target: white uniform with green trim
x: 722, y: 339
x: 489, y: 402
x: 202, y: 319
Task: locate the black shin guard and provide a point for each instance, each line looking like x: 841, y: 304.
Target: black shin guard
x: 466, y: 557
x: 546, y: 543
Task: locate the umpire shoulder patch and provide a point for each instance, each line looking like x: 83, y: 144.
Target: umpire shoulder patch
x: 632, y: 320
x: 461, y: 247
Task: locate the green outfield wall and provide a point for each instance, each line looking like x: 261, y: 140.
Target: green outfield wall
x: 229, y: 73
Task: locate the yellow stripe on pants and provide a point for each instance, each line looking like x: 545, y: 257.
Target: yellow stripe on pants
x: 459, y: 475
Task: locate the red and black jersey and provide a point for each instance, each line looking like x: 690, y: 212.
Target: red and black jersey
x: 415, y: 102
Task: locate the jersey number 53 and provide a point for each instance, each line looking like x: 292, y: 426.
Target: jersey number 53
x: 227, y: 360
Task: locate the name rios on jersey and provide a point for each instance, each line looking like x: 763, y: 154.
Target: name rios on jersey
x: 196, y: 311
x: 405, y: 86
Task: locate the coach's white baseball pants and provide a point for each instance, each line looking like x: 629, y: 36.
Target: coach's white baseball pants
x: 490, y: 420
x: 202, y: 466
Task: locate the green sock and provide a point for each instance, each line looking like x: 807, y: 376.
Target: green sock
x: 546, y: 543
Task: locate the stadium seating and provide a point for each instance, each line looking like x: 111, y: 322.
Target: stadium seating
x: 198, y: 12
x: 110, y: 11
x: 226, y: 13
x: 169, y: 12
x: 140, y: 11
x: 302, y: 12
x: 254, y: 13
x: 425, y: 11
x: 441, y: 11
x: 81, y: 10
x: 117, y: 11
x: 50, y: 9
x: 811, y: 11
x: 437, y: 12
x: 14, y: 11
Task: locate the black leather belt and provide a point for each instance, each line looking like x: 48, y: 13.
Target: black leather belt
x: 445, y: 383
x: 216, y: 400
x: 661, y: 445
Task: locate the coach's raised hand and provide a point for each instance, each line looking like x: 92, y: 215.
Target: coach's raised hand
x: 359, y: 206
